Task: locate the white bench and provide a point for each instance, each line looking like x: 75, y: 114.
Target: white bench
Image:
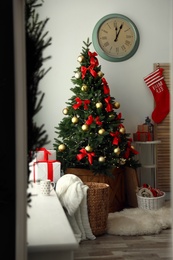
x: 49, y: 234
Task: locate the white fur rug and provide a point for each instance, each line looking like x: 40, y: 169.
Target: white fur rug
x: 137, y: 221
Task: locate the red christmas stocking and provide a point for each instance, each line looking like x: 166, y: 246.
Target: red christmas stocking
x: 155, y: 82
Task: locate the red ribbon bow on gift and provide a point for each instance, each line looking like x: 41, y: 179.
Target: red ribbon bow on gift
x: 49, y: 168
x: 91, y: 119
x: 80, y: 102
x: 45, y: 154
x: 147, y: 133
x: 84, y: 154
x: 45, y: 160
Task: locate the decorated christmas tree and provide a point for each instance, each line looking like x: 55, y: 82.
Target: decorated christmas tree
x: 91, y: 134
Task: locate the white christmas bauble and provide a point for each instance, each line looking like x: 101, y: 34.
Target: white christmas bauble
x: 80, y: 58
x: 77, y: 75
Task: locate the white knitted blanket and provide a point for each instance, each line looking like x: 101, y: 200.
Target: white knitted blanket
x: 72, y: 193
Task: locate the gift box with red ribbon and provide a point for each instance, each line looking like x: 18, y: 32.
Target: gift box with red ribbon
x: 44, y: 154
x: 44, y: 168
x: 143, y: 128
x: 142, y: 136
x: 41, y: 170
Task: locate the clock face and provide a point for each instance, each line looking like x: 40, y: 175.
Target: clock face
x: 115, y: 37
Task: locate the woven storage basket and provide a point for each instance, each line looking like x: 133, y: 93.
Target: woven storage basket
x: 98, y: 206
x: 152, y: 203
x: 117, y: 196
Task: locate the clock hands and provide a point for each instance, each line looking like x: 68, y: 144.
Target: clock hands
x: 116, y: 29
x: 117, y: 34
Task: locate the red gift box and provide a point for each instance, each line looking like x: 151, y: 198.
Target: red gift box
x: 143, y: 128
x: 142, y: 136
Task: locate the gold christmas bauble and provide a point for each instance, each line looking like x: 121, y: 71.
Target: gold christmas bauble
x: 111, y: 116
x: 122, y: 161
x: 101, y: 131
x: 80, y: 58
x: 122, y: 130
x: 117, y: 105
x: 77, y: 75
x: 100, y: 74
x: 85, y: 127
x: 99, y: 105
x: 61, y: 147
x: 101, y: 159
x: 117, y: 150
x: 84, y: 87
x: 65, y: 111
x: 74, y: 120
x: 88, y: 148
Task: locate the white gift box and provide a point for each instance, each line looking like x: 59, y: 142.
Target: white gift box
x: 43, y: 154
x: 45, y: 170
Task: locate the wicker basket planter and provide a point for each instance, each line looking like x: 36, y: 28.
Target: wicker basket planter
x: 98, y: 206
x: 152, y: 203
x: 117, y: 197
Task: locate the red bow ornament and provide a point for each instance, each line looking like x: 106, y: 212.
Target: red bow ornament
x: 109, y: 105
x: 119, y: 116
x: 129, y: 149
x: 91, y: 119
x: 91, y: 70
x: 115, y: 137
x: 80, y: 102
x: 97, y: 120
x: 93, y: 59
x: 106, y: 89
x: 84, y: 154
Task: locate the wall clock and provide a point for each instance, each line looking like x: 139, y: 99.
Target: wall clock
x: 115, y: 37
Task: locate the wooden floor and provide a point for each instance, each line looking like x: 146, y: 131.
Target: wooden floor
x: 127, y: 247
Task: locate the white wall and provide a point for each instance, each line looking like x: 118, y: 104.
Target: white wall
x: 71, y: 23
